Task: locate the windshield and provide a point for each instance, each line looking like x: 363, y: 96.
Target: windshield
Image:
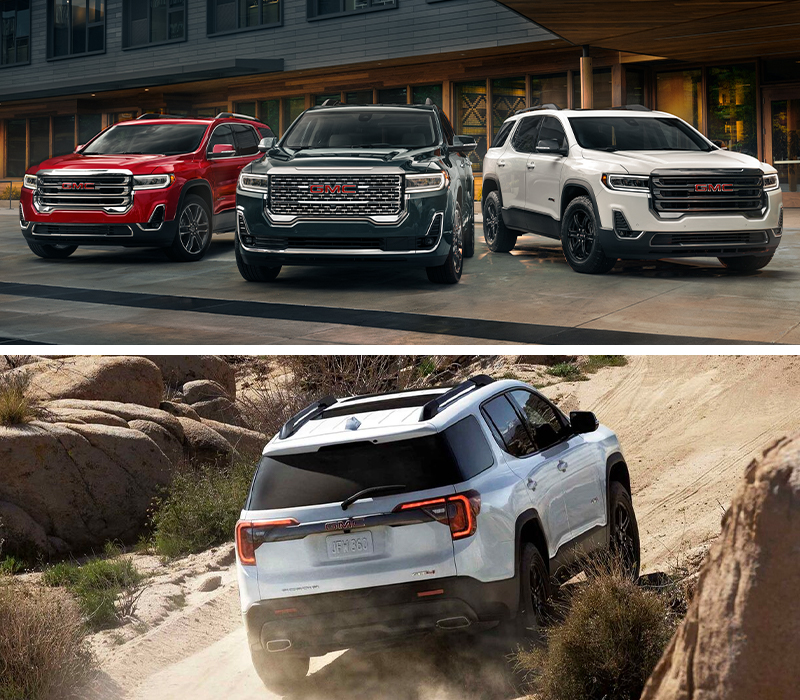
x: 152, y: 139
x: 626, y: 133
x: 363, y: 127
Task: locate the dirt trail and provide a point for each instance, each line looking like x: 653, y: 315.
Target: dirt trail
x: 688, y: 426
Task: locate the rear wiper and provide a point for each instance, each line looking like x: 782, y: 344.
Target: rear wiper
x: 350, y: 500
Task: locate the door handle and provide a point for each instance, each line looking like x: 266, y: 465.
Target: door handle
x: 531, y: 164
x: 531, y: 484
x: 562, y: 465
x: 501, y: 164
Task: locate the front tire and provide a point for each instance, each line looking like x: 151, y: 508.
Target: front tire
x: 193, y: 237
x: 498, y: 237
x: 624, y: 535
x: 281, y: 673
x: 746, y: 263
x: 580, y: 241
x: 449, y: 272
x: 534, y: 602
x: 254, y: 273
x: 52, y: 252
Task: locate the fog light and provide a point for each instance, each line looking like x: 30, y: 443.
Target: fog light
x: 248, y: 240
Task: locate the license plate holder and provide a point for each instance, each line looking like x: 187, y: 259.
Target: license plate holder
x: 350, y: 546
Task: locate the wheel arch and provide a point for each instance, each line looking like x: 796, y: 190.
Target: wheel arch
x: 529, y: 528
x: 489, y: 185
x: 616, y: 472
x: 577, y: 188
x: 199, y: 187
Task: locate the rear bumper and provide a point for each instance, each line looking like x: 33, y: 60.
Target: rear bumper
x: 317, y: 624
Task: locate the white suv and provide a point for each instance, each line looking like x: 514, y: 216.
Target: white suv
x: 373, y: 518
x: 627, y: 184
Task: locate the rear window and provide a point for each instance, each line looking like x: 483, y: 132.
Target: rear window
x: 332, y: 473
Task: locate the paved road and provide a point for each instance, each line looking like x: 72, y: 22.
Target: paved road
x: 137, y: 296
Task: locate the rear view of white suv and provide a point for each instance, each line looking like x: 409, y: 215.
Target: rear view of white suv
x: 374, y: 518
x: 627, y: 184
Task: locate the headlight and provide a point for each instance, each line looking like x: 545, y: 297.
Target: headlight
x: 426, y: 183
x: 152, y: 182
x: 30, y: 182
x: 254, y: 183
x: 770, y: 181
x: 630, y: 183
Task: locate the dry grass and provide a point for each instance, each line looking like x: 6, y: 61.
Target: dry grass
x: 43, y: 650
x: 16, y: 406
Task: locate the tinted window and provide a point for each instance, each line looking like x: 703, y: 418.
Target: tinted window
x: 502, y: 135
x: 552, y: 131
x: 636, y: 134
x: 469, y: 447
x: 166, y: 139
x: 265, y: 132
x: 502, y: 414
x: 544, y: 423
x: 222, y: 134
x: 447, y: 128
x: 524, y: 139
x: 246, y: 139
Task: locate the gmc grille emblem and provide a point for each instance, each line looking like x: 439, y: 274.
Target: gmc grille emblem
x: 713, y: 188
x: 332, y: 189
x: 349, y: 524
x: 77, y: 185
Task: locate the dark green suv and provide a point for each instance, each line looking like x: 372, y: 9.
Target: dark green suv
x: 383, y: 184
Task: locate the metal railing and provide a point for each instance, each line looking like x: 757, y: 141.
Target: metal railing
x: 10, y: 184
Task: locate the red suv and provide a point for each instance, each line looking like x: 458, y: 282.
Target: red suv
x: 153, y: 181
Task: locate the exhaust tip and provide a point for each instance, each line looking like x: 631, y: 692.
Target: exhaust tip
x: 453, y: 623
x: 276, y: 645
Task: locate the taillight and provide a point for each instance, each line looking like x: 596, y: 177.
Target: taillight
x: 250, y: 535
x: 460, y: 512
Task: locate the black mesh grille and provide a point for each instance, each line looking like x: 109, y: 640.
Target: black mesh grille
x: 709, y: 239
x: 74, y: 191
x: 712, y: 191
x: 335, y: 196
x: 620, y: 224
x: 82, y: 230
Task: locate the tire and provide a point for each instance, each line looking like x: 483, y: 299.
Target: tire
x: 746, y: 263
x: 498, y: 237
x: 281, y: 673
x: 52, y: 252
x: 449, y: 272
x: 254, y: 273
x: 624, y: 531
x: 579, y: 239
x: 193, y: 237
x: 535, y: 592
x: 469, y: 236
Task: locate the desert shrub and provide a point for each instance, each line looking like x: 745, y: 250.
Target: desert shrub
x: 578, y: 371
x: 200, y: 508
x: 43, y: 649
x: 566, y: 370
x: 9, y: 192
x: 596, y: 362
x: 16, y: 405
x: 99, y: 586
x: 612, y: 634
x: 10, y: 565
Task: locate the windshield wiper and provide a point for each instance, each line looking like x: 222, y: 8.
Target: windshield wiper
x: 350, y: 500
x: 608, y: 149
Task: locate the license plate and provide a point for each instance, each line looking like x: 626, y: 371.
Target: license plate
x: 350, y: 546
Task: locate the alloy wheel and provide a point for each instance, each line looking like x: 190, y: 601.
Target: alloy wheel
x: 580, y: 235
x: 490, y: 223
x: 193, y: 228
x: 622, y: 539
x: 458, y: 242
x: 538, y: 594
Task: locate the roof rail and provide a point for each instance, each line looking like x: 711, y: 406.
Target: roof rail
x: 548, y: 105
x: 634, y: 108
x: 299, y: 419
x: 430, y: 409
x: 331, y: 102
x: 228, y: 115
x: 155, y: 115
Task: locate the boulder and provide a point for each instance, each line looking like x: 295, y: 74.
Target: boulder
x: 220, y: 409
x: 166, y: 441
x: 740, y: 635
x: 176, y: 408
x: 177, y: 370
x: 247, y: 443
x: 20, y: 534
x: 126, y: 379
x: 62, y: 414
x: 205, y: 445
x: 203, y: 390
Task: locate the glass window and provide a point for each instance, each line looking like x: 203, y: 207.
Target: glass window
x: 786, y: 142
x: 633, y: 133
x: 679, y: 93
x: 470, y: 449
x: 732, y: 107
x: 16, y: 31
x: 16, y: 137
x: 76, y: 27
x: 246, y: 139
x: 234, y: 15
x: 153, y: 21
x: 39, y: 140
x: 549, y: 89
x: 509, y: 426
x: 634, y: 87
x: 362, y: 97
x: 508, y: 96
x: 601, y: 88
x: 544, y: 424
x: 420, y: 93
x: 270, y: 109
x: 63, y: 134
x: 552, y: 131
x: 210, y: 112
x: 326, y: 8
x: 393, y: 96
x: 89, y: 125
x: 246, y: 108
x: 781, y: 70
x: 502, y: 135
x: 222, y: 135
x: 447, y: 128
x: 524, y: 139
x: 471, y: 115
x: 292, y: 108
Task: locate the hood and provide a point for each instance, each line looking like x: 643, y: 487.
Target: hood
x: 138, y: 164
x: 643, y: 162
x: 419, y: 159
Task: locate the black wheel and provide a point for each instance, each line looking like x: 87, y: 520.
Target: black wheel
x: 534, y: 601
x: 254, y: 273
x: 52, y: 252
x: 746, y: 263
x: 280, y: 672
x: 624, y: 535
x: 469, y: 234
x: 499, y: 238
x: 193, y: 236
x: 449, y: 272
x: 580, y: 241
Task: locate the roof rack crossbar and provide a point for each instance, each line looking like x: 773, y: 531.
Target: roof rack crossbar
x: 155, y: 115
x: 331, y: 102
x: 299, y: 419
x: 228, y: 115
x: 432, y: 408
x: 548, y: 105
x: 634, y: 108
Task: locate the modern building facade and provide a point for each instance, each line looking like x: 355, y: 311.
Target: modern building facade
x: 69, y: 68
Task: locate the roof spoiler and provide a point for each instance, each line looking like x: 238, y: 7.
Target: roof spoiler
x: 430, y: 409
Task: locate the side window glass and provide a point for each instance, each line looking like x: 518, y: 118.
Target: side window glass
x: 553, y: 131
x: 246, y: 140
x: 447, y: 128
x: 502, y: 135
x: 544, y: 424
x: 222, y: 134
x: 515, y: 437
x: 524, y: 139
x: 469, y: 447
x: 265, y: 132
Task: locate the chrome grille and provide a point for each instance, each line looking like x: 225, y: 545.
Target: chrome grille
x: 709, y: 191
x: 335, y: 196
x: 84, y: 190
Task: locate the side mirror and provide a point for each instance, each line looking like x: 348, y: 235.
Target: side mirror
x: 550, y: 146
x: 583, y: 422
x: 223, y: 150
x: 266, y: 143
x: 464, y: 144
x: 79, y: 148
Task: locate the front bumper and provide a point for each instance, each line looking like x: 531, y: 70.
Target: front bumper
x: 317, y: 624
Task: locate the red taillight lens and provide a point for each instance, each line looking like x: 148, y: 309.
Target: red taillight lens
x: 460, y: 512
x: 250, y: 535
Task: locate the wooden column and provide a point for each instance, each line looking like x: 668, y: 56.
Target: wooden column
x: 619, y: 97
x: 587, y: 80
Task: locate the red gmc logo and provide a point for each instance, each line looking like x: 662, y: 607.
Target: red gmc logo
x: 332, y: 189
x: 77, y: 185
x: 713, y: 188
